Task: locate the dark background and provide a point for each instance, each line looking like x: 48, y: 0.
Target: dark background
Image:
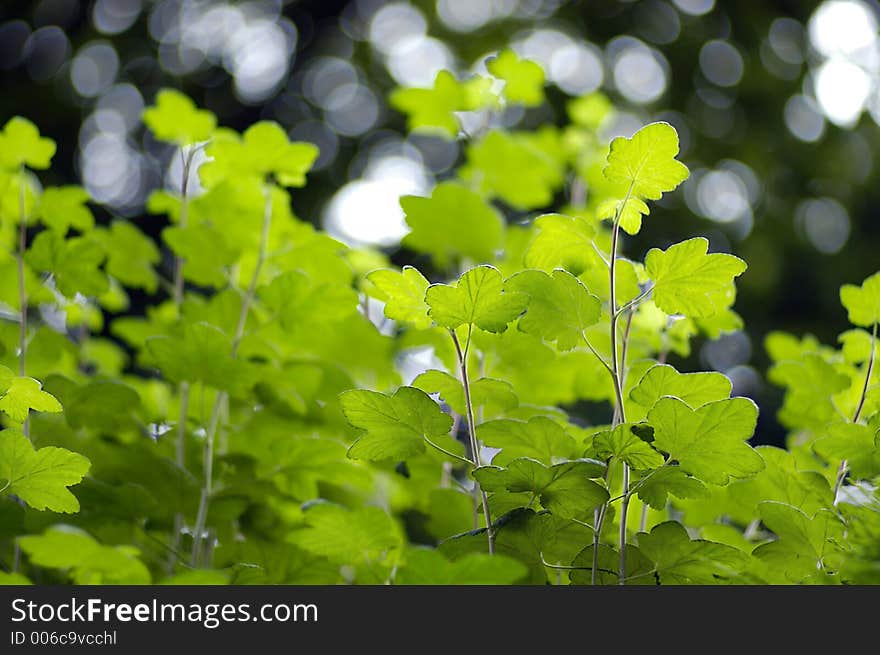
x: 794, y: 272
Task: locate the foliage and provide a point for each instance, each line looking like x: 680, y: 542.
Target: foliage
x: 253, y: 426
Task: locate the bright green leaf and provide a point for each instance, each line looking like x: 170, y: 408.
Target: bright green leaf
x: 623, y: 443
x: 708, y: 442
x: 646, y: 162
x: 524, y: 78
x: 433, y: 110
x: 560, y: 307
x: 515, y: 168
x: 630, y: 214
x: 688, y: 281
x: 564, y: 488
x: 346, y: 536
x: 176, y: 119
x: 655, y: 487
x: 561, y: 242
x: 264, y: 149
x: 862, y: 303
x: 75, y: 263
x: 403, y: 294
x: 539, y: 438
x: 21, y: 144
x: 20, y: 395
x: 695, y: 389
x: 395, y: 426
x: 131, y: 256
x: 485, y: 392
x: 87, y: 561
x: 477, y: 298
x: 40, y: 477
x: 64, y: 207
x: 452, y: 224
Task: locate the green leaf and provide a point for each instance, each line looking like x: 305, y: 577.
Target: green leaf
x: 452, y: 224
x: 404, y: 295
x: 202, y: 353
x: 560, y: 307
x: 655, y: 487
x: 858, y: 444
x: 630, y: 214
x: 433, y: 110
x: 20, y: 395
x: 262, y: 150
x: 623, y: 443
x: 785, y: 479
x: 862, y: 303
x: 804, y: 541
x: 539, y: 438
x: 40, y: 477
x: 515, y: 168
x: 87, y: 561
x: 303, y: 305
x: 64, y: 207
x: 695, y: 389
x: 639, y: 569
x: 811, y: 383
x: 524, y: 78
x: 131, y: 256
x: 430, y: 567
x: 21, y: 144
x: 527, y: 536
x: 175, y: 119
x: 590, y: 110
x: 565, y: 489
x: 346, y: 536
x: 561, y: 242
x: 708, y: 442
x: 477, y: 298
x: 205, y: 253
x: 646, y: 162
x: 75, y: 263
x: 680, y: 560
x: 396, y: 425
x: 103, y: 406
x: 485, y: 392
x: 690, y: 282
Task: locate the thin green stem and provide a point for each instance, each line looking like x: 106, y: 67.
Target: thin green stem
x: 472, y: 432
x: 441, y: 449
x: 635, y: 301
x: 596, y: 353
x: 22, y: 291
x: 208, y: 460
x: 183, y: 387
x: 617, y: 373
x: 844, y: 464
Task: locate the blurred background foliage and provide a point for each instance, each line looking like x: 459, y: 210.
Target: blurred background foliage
x: 777, y: 104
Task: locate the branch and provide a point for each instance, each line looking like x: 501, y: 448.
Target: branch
x: 844, y: 465
x: 472, y: 431
x: 208, y: 462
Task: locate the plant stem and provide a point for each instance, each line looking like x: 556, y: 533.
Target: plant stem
x: 208, y: 461
x: 844, y: 465
x: 183, y: 387
x: 472, y: 432
x: 22, y: 291
x: 441, y: 449
x: 617, y: 365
